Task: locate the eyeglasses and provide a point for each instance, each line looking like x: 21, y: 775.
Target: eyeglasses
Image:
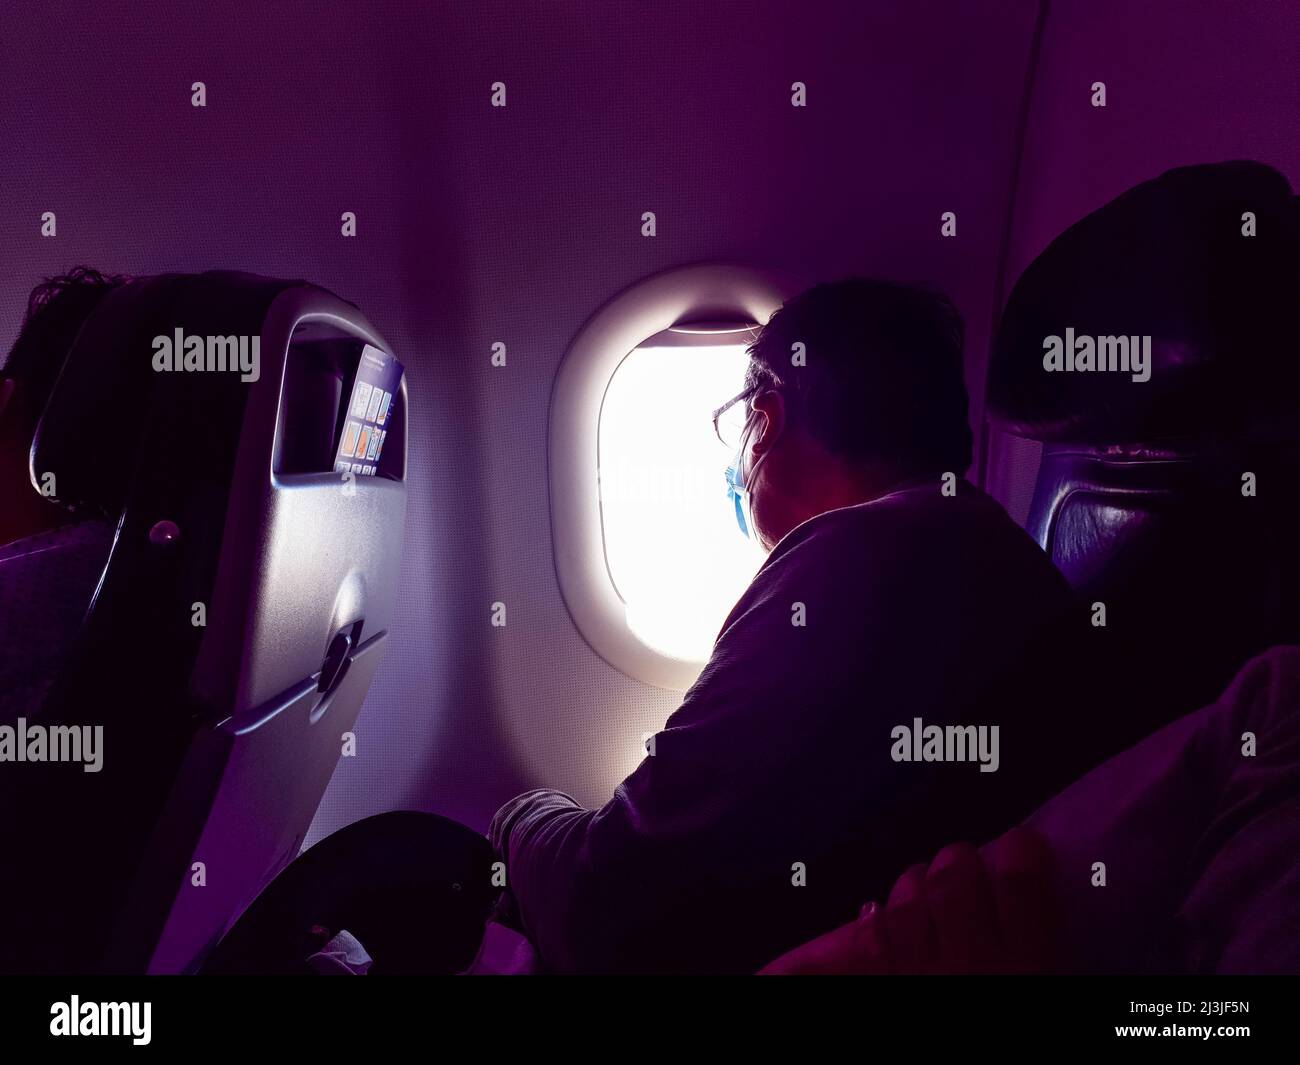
x: 729, y: 420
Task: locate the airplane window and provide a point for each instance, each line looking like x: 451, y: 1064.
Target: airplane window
x: 647, y: 551
x: 675, y: 555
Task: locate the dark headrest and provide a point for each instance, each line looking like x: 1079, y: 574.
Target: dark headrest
x: 1166, y: 260
x: 102, y: 416
x: 102, y: 395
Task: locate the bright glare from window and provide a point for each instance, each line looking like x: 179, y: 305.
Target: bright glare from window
x: 675, y: 553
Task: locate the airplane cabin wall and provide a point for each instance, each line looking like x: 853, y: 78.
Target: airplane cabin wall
x: 478, y: 225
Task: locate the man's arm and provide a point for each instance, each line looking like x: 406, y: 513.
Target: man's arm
x: 752, y: 774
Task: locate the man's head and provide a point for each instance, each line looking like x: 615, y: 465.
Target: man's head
x: 853, y: 387
x: 56, y: 310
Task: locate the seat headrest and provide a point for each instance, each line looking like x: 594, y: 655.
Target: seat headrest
x: 100, y: 420
x: 87, y: 435
x: 1170, y: 261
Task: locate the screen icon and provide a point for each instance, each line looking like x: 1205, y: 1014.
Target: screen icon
x: 350, y: 438
x: 361, y: 399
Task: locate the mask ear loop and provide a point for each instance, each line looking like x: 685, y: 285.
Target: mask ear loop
x: 737, y: 497
x: 735, y: 492
x: 742, y: 487
x: 736, y: 483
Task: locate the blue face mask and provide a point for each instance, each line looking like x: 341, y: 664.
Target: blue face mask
x: 737, y: 493
x: 740, y: 490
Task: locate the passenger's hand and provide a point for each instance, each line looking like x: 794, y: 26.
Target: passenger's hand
x: 967, y: 912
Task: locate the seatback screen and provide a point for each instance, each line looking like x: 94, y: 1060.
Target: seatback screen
x: 368, y: 414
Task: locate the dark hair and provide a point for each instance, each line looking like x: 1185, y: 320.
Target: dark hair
x: 883, y: 379
x: 56, y: 310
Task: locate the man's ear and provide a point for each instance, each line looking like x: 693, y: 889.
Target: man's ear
x: 770, y: 406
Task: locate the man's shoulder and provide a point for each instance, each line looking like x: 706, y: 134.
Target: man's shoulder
x: 919, y: 543
x: 917, y: 514
x: 909, y: 557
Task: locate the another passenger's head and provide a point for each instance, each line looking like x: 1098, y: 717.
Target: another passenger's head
x: 853, y: 388
x: 56, y: 310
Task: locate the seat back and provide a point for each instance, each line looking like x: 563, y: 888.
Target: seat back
x: 1171, y: 500
x: 237, y: 626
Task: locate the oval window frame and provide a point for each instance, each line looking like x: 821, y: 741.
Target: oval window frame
x: 698, y: 293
